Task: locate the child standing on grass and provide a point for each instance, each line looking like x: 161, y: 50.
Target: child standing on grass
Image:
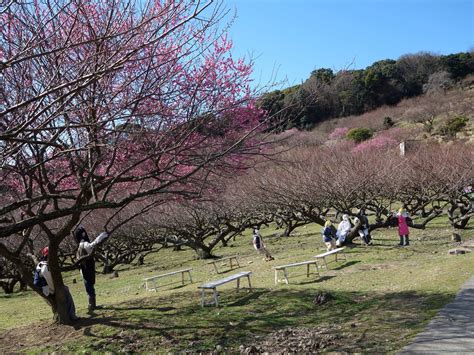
x: 329, y: 237
x: 403, y: 230
x: 259, y: 246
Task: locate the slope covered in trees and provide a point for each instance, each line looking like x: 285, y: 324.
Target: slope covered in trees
x: 327, y: 94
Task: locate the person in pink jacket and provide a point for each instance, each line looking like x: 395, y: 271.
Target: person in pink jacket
x: 403, y: 230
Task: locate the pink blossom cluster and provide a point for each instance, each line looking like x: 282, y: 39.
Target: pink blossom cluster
x: 338, y: 133
x: 378, y: 142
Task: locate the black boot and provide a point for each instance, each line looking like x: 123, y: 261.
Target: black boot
x: 92, y: 304
x: 407, y: 241
x: 401, y: 241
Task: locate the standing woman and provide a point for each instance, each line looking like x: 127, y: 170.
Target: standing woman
x: 403, y: 230
x: 85, y: 248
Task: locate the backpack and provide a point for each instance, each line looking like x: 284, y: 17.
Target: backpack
x: 38, y: 280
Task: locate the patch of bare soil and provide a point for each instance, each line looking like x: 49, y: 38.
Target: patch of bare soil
x: 37, y: 335
x: 297, y: 340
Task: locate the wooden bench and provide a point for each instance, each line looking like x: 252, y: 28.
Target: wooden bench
x: 154, y: 278
x: 232, y: 259
x: 213, y: 286
x: 285, y: 267
x: 331, y: 252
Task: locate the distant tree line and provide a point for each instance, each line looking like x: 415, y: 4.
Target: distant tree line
x: 326, y: 94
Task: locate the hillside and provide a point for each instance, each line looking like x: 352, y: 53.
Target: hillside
x: 327, y: 95
x: 421, y: 118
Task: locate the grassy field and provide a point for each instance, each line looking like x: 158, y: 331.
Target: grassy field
x: 380, y: 298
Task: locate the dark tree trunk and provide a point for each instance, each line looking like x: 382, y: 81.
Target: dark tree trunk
x: 8, y: 285
x: 203, y: 252
x: 59, y: 307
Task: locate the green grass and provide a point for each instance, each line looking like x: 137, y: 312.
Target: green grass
x: 382, y: 297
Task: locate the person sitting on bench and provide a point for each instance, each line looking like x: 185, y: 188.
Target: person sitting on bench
x: 343, y: 230
x: 329, y: 235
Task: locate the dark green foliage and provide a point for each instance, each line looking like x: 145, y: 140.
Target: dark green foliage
x: 454, y: 125
x: 387, y: 122
x: 323, y: 75
x: 459, y: 65
x: 359, y: 134
x: 326, y: 94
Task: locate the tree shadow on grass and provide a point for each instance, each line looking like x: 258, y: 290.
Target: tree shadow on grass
x: 346, y: 264
x: 383, y: 321
x: 226, y: 271
x: 135, y: 308
x: 318, y: 280
x: 251, y: 296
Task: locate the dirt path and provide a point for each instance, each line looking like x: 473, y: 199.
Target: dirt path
x: 452, y: 330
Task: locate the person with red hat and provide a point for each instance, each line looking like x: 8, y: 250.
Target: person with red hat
x: 43, y: 280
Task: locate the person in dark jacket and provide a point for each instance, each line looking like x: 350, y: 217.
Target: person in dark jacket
x: 329, y: 235
x: 364, y: 229
x: 85, y: 248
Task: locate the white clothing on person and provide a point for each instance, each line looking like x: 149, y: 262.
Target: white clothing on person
x: 342, y: 230
x: 43, y: 269
x: 85, y: 248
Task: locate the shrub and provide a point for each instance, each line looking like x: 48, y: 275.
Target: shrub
x: 454, y: 125
x: 359, y: 134
x: 388, y: 122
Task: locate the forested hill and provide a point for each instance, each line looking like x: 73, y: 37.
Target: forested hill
x: 327, y: 94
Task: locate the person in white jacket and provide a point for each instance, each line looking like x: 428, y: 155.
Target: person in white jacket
x: 85, y: 248
x: 43, y: 279
x: 343, y: 230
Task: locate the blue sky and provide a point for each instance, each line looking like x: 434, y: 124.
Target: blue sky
x: 297, y: 36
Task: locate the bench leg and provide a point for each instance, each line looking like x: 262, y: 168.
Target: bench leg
x: 146, y: 286
x: 276, y: 277
x: 182, y: 278
x: 307, y: 270
x: 325, y: 263
x: 286, y: 276
x: 344, y: 254
x: 202, y: 297
x: 216, y: 299
x: 190, y: 278
x: 237, y: 262
x: 250, y: 285
x: 238, y: 284
x: 317, y: 269
x: 215, y: 267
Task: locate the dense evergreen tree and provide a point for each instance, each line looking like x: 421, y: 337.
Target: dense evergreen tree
x: 326, y: 94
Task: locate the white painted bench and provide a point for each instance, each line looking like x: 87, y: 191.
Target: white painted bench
x: 213, y: 286
x: 232, y: 260
x: 328, y: 253
x: 285, y: 267
x: 154, y: 278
